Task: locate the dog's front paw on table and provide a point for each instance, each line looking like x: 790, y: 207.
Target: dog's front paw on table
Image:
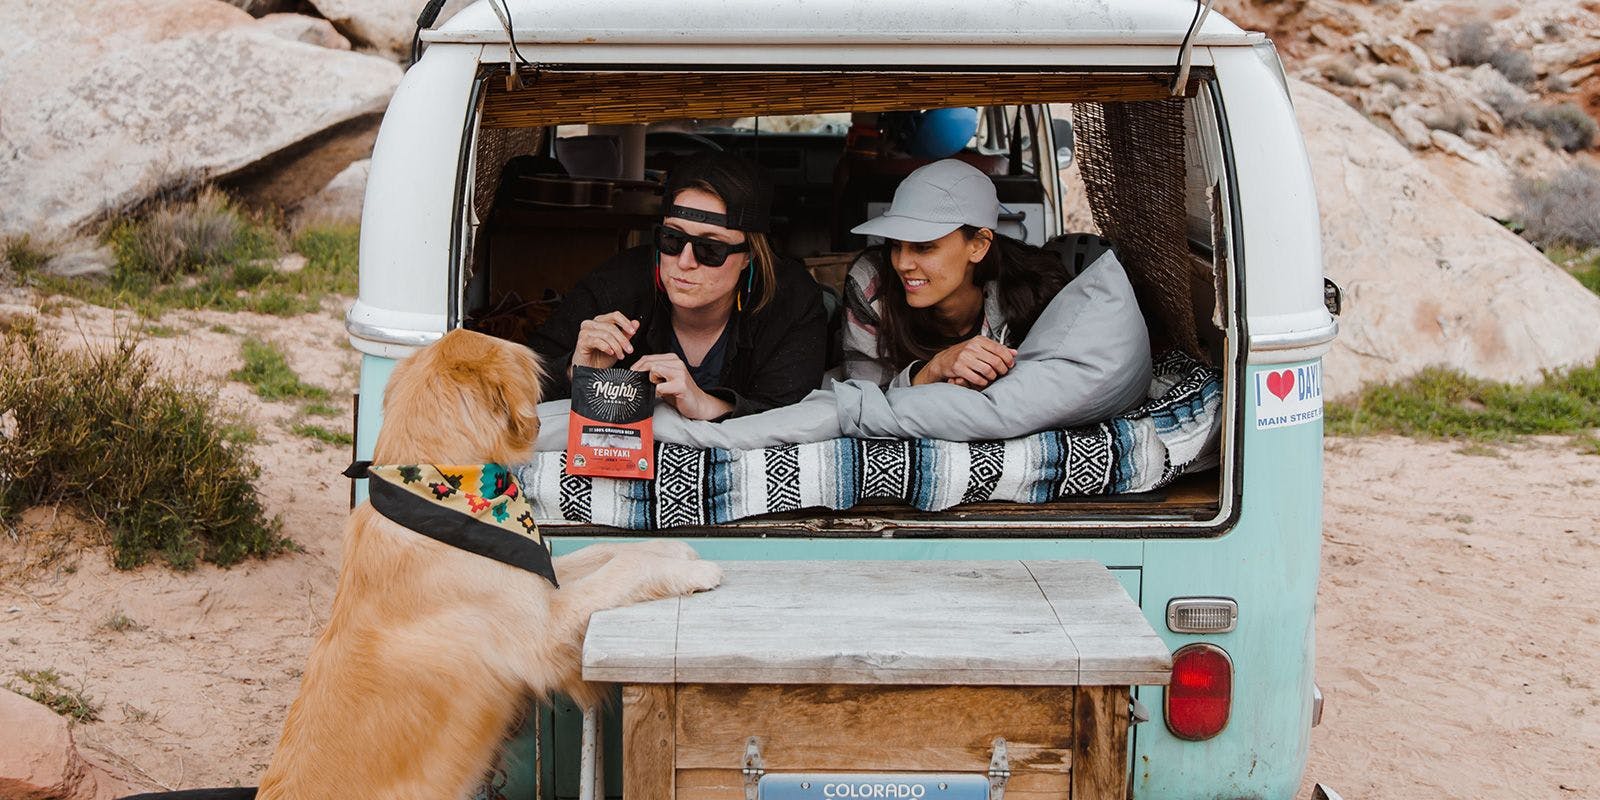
x: 699, y: 576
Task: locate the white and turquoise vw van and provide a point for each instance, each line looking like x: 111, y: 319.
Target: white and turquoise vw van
x: 527, y: 143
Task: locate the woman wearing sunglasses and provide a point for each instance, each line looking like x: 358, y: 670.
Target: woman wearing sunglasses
x: 722, y: 325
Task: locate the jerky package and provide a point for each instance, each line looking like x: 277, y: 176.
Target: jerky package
x: 609, y: 432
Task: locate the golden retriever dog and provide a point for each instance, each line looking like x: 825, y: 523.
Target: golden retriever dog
x: 431, y: 651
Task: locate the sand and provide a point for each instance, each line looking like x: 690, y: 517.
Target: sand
x: 1458, y: 632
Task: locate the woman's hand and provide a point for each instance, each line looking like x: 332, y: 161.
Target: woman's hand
x: 604, y: 340
x: 675, y: 385
x: 974, y: 363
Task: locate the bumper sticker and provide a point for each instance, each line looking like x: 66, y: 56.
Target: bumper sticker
x: 1285, y: 397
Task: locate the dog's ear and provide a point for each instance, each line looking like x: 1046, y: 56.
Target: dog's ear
x: 517, y: 393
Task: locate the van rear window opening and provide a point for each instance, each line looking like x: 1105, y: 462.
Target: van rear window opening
x: 1140, y: 175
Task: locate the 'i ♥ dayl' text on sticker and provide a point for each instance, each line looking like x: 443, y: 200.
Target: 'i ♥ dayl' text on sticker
x: 1287, y: 396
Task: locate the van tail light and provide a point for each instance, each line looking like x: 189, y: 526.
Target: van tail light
x: 1201, y: 693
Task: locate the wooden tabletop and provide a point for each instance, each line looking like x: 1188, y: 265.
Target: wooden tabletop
x: 1035, y: 623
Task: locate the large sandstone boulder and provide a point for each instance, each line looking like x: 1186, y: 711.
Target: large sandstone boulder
x: 383, y: 25
x: 340, y: 201
x: 107, y: 103
x: 39, y: 760
x: 1428, y: 280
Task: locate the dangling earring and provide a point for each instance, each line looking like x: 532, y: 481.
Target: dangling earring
x: 660, y: 287
x: 749, y: 283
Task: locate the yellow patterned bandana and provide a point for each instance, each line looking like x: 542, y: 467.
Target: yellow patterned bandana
x: 478, y: 508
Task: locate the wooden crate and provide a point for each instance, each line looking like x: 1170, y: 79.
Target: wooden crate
x: 881, y: 667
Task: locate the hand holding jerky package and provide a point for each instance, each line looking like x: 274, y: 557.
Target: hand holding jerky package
x: 609, y: 431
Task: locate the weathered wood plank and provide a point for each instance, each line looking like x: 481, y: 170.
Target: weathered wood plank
x: 1115, y: 643
x: 877, y: 622
x: 870, y: 622
x: 632, y: 644
x: 875, y: 729
x: 1100, y: 743
x: 648, y: 733
x: 561, y: 97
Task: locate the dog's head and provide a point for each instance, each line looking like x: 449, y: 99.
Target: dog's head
x: 465, y: 399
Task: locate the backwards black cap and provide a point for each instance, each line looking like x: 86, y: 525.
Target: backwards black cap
x: 744, y: 188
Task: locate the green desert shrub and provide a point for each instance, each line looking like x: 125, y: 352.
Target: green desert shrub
x: 156, y: 460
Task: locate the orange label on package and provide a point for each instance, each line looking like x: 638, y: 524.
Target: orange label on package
x: 609, y: 430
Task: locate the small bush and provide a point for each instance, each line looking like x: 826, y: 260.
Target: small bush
x: 119, y: 622
x: 1563, y: 210
x: 266, y: 370
x: 1455, y: 118
x: 1342, y: 73
x: 23, y: 255
x: 1566, y: 126
x: 153, y: 459
x: 187, y: 238
x: 1470, y: 44
x: 1445, y: 403
x: 44, y: 686
x: 1516, y: 66
x: 1474, y: 43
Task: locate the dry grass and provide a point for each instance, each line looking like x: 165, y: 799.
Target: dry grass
x: 1566, y: 125
x: 185, y: 238
x: 1563, y: 210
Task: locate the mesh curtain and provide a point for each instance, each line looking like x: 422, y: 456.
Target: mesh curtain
x: 1131, y: 158
x: 496, y: 146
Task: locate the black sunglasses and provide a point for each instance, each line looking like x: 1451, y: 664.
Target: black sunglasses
x: 709, y: 252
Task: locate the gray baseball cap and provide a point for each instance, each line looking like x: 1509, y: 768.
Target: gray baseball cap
x: 935, y: 200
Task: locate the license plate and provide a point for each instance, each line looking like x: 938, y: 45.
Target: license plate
x: 858, y: 786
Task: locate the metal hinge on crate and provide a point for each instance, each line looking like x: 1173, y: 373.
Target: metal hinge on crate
x: 753, y: 769
x: 999, y: 770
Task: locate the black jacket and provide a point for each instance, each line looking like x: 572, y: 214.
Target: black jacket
x: 776, y: 355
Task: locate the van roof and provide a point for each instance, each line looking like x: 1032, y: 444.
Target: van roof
x: 846, y: 22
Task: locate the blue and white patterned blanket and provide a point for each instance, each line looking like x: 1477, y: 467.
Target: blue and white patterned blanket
x: 1173, y: 433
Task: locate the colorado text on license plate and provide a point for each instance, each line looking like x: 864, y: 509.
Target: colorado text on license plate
x: 798, y: 786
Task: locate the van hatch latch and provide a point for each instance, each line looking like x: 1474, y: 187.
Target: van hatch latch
x: 1137, y: 712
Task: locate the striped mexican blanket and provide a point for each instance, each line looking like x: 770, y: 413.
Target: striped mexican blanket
x: 1174, y: 432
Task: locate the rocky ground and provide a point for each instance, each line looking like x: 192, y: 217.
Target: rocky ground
x: 1457, y: 646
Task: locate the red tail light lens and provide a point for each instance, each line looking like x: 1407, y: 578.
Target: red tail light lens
x: 1201, y: 693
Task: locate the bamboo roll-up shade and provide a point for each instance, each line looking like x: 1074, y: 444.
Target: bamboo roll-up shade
x: 560, y: 98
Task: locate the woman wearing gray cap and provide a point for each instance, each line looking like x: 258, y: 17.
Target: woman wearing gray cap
x: 722, y: 324
x: 945, y: 299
